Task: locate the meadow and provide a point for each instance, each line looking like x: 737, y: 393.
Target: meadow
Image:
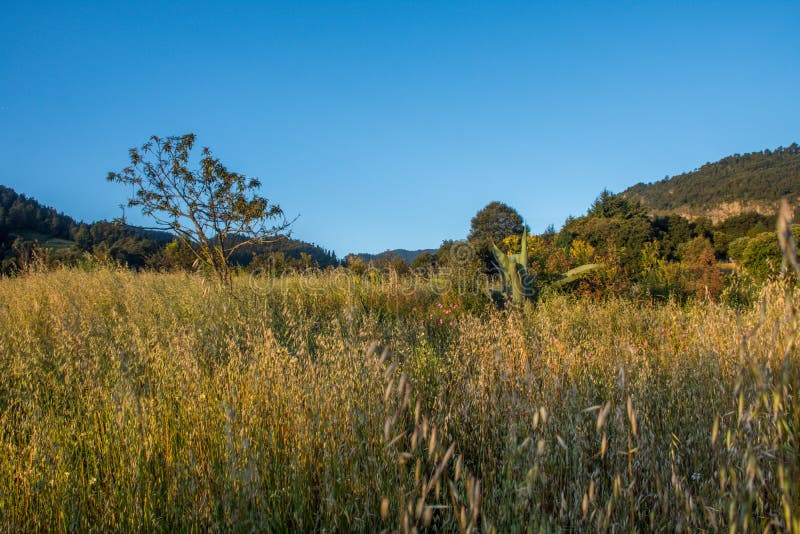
x: 155, y: 401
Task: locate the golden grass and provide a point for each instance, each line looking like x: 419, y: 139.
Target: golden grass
x: 158, y: 402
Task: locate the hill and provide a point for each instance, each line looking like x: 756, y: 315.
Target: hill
x: 287, y: 252
x: 407, y: 255
x: 731, y: 186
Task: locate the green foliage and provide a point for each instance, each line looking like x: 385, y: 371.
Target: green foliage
x: 425, y: 261
x: 760, y: 255
x: 671, y: 231
x: 123, y: 244
x: 289, y: 250
x: 460, y: 256
x: 737, y: 247
x: 617, y: 224
x: 24, y: 219
x: 393, y: 263
x: 611, y: 206
x: 407, y: 255
x: 518, y: 284
x: 745, y: 223
x: 67, y: 241
x: 494, y: 223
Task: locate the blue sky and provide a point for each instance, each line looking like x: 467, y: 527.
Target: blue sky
x: 389, y: 124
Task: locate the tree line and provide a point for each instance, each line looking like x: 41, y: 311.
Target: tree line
x: 209, y: 218
x: 641, y: 254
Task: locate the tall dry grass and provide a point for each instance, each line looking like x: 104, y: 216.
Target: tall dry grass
x: 158, y: 402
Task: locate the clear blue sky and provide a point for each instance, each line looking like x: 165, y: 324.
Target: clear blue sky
x: 389, y: 124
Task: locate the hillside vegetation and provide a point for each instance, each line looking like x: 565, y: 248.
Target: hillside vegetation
x: 406, y: 255
x: 28, y: 228
x: 157, y: 402
x: 730, y: 186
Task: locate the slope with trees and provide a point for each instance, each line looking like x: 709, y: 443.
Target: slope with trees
x: 754, y: 181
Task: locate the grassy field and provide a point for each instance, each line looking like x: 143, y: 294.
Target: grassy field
x: 159, y: 402
x: 45, y: 241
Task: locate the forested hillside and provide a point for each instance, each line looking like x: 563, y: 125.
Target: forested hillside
x: 730, y: 186
x: 406, y: 255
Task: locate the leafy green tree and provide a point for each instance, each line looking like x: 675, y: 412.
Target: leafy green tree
x: 614, y: 224
x: 671, y: 231
x: 211, y: 210
x: 703, y: 227
x: 737, y: 247
x: 495, y: 222
x: 762, y: 256
x: 83, y: 237
x: 611, y: 206
x: 740, y: 225
x: 748, y: 224
x: 721, y: 242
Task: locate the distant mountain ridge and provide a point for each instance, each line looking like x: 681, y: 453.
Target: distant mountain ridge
x: 752, y: 182
x: 407, y: 255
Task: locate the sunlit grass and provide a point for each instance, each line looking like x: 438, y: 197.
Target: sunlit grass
x: 159, y: 402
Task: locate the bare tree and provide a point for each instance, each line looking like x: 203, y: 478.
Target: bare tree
x: 210, y: 209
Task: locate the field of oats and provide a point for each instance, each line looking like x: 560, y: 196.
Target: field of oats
x: 331, y: 402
